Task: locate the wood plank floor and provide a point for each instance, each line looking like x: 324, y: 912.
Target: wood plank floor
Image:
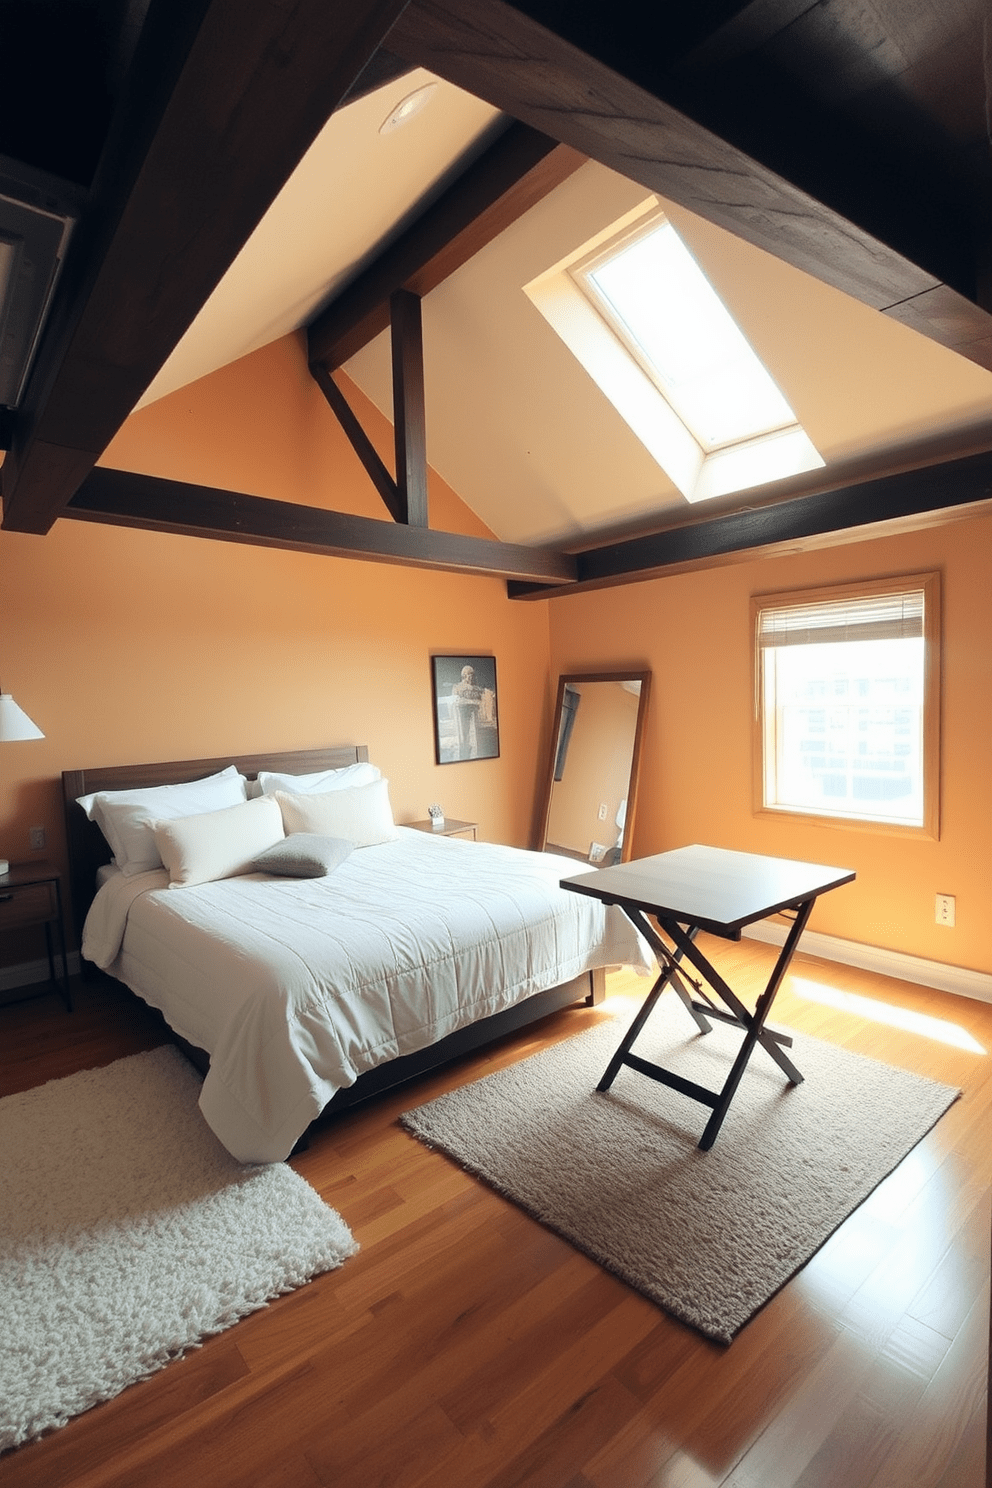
x: 467, y: 1347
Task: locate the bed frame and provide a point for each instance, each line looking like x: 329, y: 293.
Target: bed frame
x: 88, y: 851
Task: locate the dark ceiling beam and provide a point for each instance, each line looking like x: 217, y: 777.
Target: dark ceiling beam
x: 847, y: 104
x: 409, y: 413
x: 122, y: 499
x: 375, y: 467
x: 513, y: 62
x: 382, y: 68
x: 515, y: 173
x: 905, y: 502
x: 221, y: 102
x: 406, y: 496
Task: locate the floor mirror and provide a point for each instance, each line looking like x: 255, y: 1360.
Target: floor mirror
x: 590, y: 787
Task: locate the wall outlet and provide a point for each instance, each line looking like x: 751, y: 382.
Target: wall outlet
x: 597, y: 852
x: 602, y: 810
x: 944, y: 909
x: 37, y: 838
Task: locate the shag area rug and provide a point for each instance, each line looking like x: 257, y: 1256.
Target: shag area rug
x: 708, y: 1236
x: 128, y: 1234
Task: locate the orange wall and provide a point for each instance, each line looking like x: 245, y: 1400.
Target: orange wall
x: 692, y: 630
x: 129, y: 646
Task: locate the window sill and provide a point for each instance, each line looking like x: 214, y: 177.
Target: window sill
x: 925, y: 833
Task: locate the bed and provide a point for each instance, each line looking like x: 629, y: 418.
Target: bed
x: 296, y: 996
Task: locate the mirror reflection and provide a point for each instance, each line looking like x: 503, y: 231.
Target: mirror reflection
x: 591, y: 786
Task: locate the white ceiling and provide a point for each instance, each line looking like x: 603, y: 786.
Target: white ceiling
x: 353, y: 191
x: 514, y: 424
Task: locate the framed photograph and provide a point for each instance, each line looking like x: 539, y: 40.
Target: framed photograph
x: 466, y: 721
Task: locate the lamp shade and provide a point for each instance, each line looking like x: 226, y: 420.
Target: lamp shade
x: 14, y: 722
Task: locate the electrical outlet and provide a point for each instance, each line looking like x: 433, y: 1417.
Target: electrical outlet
x: 37, y: 839
x: 602, y: 810
x: 944, y: 909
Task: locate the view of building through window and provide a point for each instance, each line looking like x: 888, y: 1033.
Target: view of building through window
x: 847, y: 704
x: 847, y: 720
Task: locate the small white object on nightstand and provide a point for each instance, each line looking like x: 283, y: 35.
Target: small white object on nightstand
x: 436, y: 815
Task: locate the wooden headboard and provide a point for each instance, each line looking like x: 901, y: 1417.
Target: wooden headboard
x: 88, y: 848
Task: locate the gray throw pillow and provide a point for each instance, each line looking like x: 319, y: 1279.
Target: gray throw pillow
x: 303, y: 855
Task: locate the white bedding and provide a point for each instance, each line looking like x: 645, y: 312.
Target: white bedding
x: 296, y: 987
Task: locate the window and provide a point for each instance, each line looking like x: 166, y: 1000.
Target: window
x: 660, y: 304
x: 847, y: 703
x: 638, y: 312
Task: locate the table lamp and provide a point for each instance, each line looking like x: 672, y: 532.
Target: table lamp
x: 14, y: 724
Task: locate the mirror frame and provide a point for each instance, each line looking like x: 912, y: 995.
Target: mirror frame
x: 635, y: 760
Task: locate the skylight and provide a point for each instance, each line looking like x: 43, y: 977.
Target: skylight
x: 636, y: 309
x: 658, y: 298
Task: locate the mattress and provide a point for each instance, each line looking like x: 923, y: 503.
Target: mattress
x: 296, y: 987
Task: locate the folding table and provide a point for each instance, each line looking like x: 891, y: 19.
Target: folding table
x: 709, y: 888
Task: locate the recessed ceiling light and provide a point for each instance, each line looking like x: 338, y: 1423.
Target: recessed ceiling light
x: 407, y: 107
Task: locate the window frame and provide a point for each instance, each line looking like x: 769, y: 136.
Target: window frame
x: 582, y: 272
x: 579, y: 322
x: 930, y: 584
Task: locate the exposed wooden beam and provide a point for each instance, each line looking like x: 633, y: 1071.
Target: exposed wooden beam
x: 405, y: 497
x: 360, y: 442
x: 911, y: 500
x: 409, y: 418
x: 858, y: 114
x: 221, y: 103
x: 123, y: 499
x: 516, y: 172
x: 512, y: 61
x: 382, y: 68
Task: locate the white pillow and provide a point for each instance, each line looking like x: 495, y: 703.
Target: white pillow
x: 125, y: 817
x: 322, y: 780
x: 361, y: 815
x: 217, y: 844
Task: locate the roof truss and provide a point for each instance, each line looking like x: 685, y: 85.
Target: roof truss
x: 192, y: 164
x: 193, y: 161
x: 515, y: 173
x: 903, y: 502
x: 123, y: 499
x: 624, y: 113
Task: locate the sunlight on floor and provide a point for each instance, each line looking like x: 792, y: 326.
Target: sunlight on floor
x: 883, y: 1012
x: 624, y: 1006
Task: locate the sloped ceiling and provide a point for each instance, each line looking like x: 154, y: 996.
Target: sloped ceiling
x: 519, y: 429
x: 831, y: 138
x: 352, y: 193
x: 515, y: 425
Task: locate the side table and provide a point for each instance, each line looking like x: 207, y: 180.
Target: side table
x: 31, y: 894
x: 452, y: 828
x: 709, y: 888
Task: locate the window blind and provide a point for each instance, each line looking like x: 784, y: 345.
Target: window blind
x: 861, y: 618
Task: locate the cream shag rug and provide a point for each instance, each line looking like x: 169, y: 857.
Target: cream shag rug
x: 128, y: 1234
x: 709, y: 1236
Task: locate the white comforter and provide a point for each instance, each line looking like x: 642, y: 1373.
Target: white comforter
x: 296, y: 987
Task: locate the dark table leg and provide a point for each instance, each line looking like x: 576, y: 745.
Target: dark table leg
x: 669, y: 963
x: 752, y: 1024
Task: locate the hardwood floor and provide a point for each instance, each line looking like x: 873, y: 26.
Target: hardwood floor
x: 467, y: 1347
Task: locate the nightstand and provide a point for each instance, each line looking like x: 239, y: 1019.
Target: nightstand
x: 31, y: 894
x: 452, y: 828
